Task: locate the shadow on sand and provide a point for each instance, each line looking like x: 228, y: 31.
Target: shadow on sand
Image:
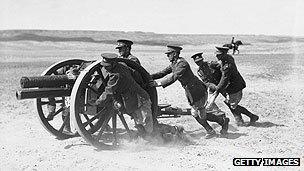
x: 72, y: 145
x: 233, y: 135
x: 199, y: 133
x: 195, y: 134
x: 266, y: 124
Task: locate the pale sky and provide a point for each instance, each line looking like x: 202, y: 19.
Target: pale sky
x: 270, y: 17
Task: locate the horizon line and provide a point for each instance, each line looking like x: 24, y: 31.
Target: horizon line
x: 241, y: 34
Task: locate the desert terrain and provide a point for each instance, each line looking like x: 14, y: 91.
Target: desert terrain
x: 274, y: 73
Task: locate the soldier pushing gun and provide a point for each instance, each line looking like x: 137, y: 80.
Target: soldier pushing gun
x: 196, y: 91
x: 229, y: 82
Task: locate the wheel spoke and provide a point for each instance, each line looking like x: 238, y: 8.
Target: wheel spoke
x: 122, y: 118
x: 104, y: 124
x: 54, y: 114
x: 88, y: 120
x: 97, y: 116
x: 114, y: 125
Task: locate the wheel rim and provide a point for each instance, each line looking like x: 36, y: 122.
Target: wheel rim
x: 102, y: 138
x: 59, y: 121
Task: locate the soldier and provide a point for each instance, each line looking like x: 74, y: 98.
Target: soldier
x: 234, y: 46
x: 210, y: 75
x: 127, y: 95
x: 231, y: 84
x: 195, y: 90
x: 124, y: 49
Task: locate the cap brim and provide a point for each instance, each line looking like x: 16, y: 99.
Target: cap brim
x: 169, y: 52
x: 105, y: 63
x: 218, y: 52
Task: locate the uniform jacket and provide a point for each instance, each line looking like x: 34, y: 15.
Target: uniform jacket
x: 133, y: 58
x: 121, y: 86
x: 231, y: 80
x: 180, y: 70
x: 134, y: 73
x: 210, y: 74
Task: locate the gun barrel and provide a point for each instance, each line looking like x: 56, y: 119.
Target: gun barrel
x: 42, y: 93
x: 46, y: 81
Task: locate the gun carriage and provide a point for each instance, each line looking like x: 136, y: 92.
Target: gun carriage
x: 62, y: 101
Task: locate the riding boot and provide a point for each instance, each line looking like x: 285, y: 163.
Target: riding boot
x: 210, y: 132
x: 221, y: 120
x: 237, y: 115
x: 214, y: 118
x: 252, y: 116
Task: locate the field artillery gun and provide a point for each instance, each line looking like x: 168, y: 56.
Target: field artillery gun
x: 62, y: 101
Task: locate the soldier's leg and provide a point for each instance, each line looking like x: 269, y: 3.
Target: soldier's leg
x: 233, y: 100
x: 214, y: 114
x: 236, y: 114
x: 199, y: 113
x: 253, y: 117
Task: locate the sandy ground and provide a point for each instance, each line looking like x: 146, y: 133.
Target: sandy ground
x: 26, y: 145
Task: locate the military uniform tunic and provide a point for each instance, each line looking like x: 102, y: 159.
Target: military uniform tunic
x: 133, y: 58
x: 231, y: 80
x: 195, y: 90
x: 210, y: 74
x: 121, y: 85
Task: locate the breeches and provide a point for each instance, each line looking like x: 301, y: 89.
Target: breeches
x: 198, y: 108
x: 234, y: 99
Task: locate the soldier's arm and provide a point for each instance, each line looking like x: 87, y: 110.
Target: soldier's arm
x: 162, y: 73
x: 135, y: 74
x: 226, y: 74
x: 205, y: 80
x: 214, y: 65
x: 180, y: 70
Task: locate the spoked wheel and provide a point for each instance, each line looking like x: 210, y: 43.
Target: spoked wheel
x: 54, y: 113
x: 88, y: 87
